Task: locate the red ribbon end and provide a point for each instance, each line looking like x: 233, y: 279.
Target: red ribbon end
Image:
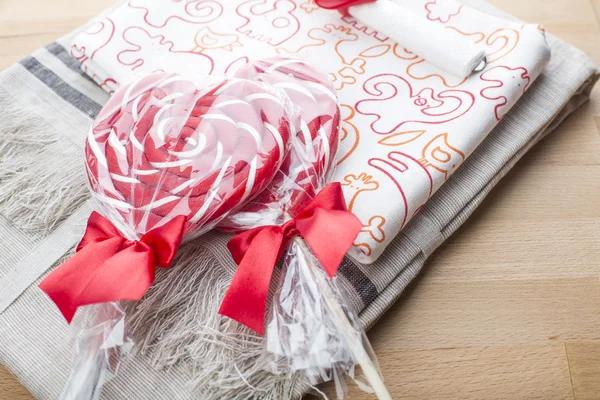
x: 107, y: 267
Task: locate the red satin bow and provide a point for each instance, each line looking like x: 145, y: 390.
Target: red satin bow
x: 326, y: 225
x: 107, y: 267
x: 340, y: 4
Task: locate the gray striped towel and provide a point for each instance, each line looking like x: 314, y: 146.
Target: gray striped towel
x: 46, y: 107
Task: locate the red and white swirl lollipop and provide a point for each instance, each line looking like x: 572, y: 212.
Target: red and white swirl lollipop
x: 167, y: 158
x: 302, y: 210
x: 165, y: 147
x: 307, y: 167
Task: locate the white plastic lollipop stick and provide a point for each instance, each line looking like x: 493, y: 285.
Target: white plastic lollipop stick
x: 352, y: 336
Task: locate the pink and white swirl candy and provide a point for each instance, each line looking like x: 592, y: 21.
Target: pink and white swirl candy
x: 167, y: 145
x: 308, y: 165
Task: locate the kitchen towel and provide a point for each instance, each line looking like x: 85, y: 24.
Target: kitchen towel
x: 46, y: 107
x: 407, y: 124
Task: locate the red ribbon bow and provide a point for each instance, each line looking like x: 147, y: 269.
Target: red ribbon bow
x: 326, y: 225
x: 107, y: 267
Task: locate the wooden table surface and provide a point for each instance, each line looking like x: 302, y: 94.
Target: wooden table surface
x: 509, y: 307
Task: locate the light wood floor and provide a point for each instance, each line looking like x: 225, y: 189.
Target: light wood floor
x: 509, y: 308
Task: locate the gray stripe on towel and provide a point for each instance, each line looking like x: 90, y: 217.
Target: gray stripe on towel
x: 360, y: 282
x: 63, y: 55
x: 67, y: 92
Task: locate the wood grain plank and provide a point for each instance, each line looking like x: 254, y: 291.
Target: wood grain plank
x: 20, y: 18
x: 511, y: 372
x: 491, y: 313
x: 584, y: 362
x: 10, y: 388
x: 28, y: 25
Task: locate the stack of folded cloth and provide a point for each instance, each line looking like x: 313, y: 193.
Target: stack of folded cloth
x: 408, y: 125
x: 48, y: 101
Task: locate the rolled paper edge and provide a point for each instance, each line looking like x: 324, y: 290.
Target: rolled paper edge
x: 449, y: 51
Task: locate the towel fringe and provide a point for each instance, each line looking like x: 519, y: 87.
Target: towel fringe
x: 177, y: 322
x: 42, y: 179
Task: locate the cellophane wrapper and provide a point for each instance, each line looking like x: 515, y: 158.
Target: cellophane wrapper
x: 166, y: 146
x: 305, y: 331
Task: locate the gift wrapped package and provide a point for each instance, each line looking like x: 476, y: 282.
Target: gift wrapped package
x: 47, y: 107
x: 408, y: 125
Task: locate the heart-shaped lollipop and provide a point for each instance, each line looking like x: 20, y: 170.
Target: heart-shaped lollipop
x: 307, y: 167
x: 167, y: 146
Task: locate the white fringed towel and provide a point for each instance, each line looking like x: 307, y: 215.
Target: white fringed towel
x: 408, y: 125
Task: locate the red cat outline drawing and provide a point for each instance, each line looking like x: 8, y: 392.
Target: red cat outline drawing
x: 135, y: 35
x: 278, y: 13
x: 400, y: 166
x: 192, y: 12
x: 98, y: 35
x: 497, y: 77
